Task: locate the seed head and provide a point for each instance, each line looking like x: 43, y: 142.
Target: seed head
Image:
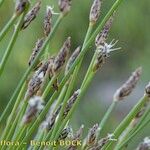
x: 102, y: 36
x: 103, y: 53
x: 71, y: 101
x: 35, y: 106
x: 50, y: 67
x: 64, y: 6
x: 92, y: 135
x: 36, y: 49
x: 36, y: 81
x: 103, y: 141
x: 128, y: 86
x: 62, y: 56
x: 72, y: 59
x: 145, y: 145
x: 64, y: 134
x: 76, y: 138
x: 31, y: 15
x: 48, y: 21
x: 21, y: 6
x: 95, y: 11
x: 147, y: 90
x: 51, y: 119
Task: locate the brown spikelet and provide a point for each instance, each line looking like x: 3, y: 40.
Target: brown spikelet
x: 147, y: 90
x: 35, y: 83
x: 48, y: 21
x: 50, y: 72
x: 36, y: 49
x: 100, y: 60
x: 51, y: 120
x: 102, y: 36
x: 35, y: 105
x: 128, y: 86
x: 92, y: 135
x: 64, y: 6
x: 62, y: 55
x: 145, y: 145
x: 72, y: 58
x: 31, y: 15
x: 95, y: 11
x: 64, y: 134
x: 70, y: 102
x: 76, y: 139
x: 21, y: 6
x: 100, y: 144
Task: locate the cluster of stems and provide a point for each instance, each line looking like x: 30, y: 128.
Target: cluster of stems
x: 45, y: 99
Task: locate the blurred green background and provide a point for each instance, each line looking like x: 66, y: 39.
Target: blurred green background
x: 131, y: 28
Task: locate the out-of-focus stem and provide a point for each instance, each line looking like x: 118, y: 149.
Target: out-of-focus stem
x: 8, y: 25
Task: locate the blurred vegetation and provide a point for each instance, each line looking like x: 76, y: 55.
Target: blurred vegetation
x: 131, y: 28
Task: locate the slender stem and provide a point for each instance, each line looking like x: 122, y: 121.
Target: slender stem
x: 48, y: 87
x: 106, y: 116
x: 42, y: 115
x: 7, y: 26
x: 12, y: 125
x: 58, y: 123
x: 136, y: 132
x: 60, y: 98
x: 124, y: 124
x: 90, y: 68
x: 11, y: 43
x: 84, y: 86
x: 12, y: 100
x: 114, y: 7
x: 83, y: 89
x: 16, y: 106
x: 139, y: 127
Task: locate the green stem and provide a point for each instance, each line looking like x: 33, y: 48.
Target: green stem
x: 42, y: 115
x: 90, y: 68
x: 16, y: 106
x: 7, y: 26
x: 124, y: 124
x: 58, y: 123
x: 114, y: 7
x: 10, y: 128
x: 138, y: 128
x: 12, y: 100
x: 136, y: 132
x: 84, y: 49
x: 106, y: 116
x: 83, y: 89
x: 11, y: 43
x: 48, y: 87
